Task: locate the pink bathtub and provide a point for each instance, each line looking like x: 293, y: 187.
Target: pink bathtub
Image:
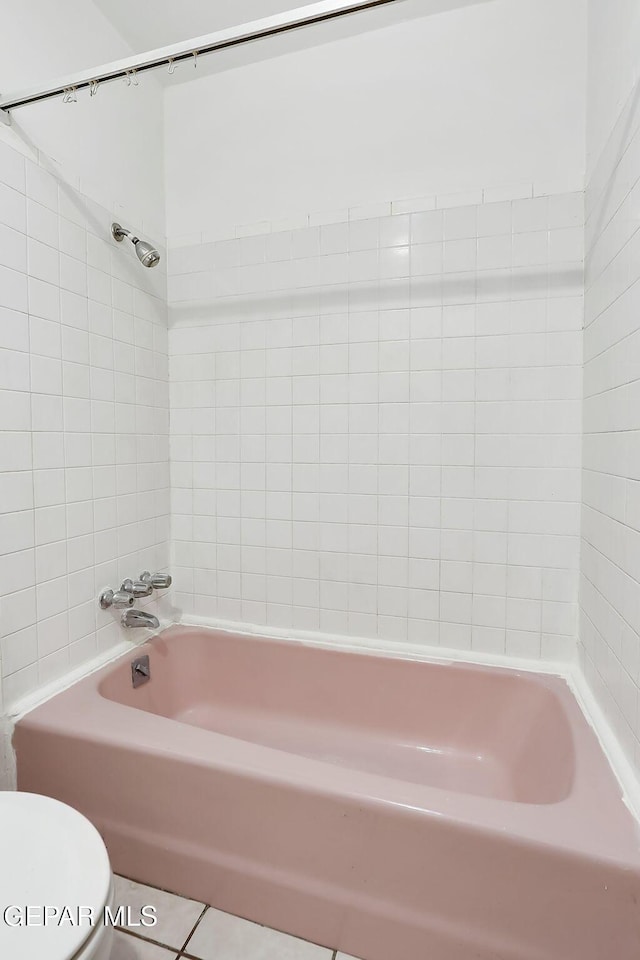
x: 392, y: 809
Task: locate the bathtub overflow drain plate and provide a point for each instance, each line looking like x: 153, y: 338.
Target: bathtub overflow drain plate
x: 140, y: 670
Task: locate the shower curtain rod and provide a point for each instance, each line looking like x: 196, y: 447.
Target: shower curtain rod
x: 169, y: 56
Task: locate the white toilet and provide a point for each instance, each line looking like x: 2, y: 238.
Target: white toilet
x: 52, y: 858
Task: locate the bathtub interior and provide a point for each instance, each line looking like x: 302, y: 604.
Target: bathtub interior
x: 486, y: 732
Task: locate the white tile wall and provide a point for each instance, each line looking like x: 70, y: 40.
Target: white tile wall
x: 375, y: 425
x: 83, y: 424
x: 610, y: 581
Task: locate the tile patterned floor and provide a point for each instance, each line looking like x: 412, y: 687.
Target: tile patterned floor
x: 194, y: 931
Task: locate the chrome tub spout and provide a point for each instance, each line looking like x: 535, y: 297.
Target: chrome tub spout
x: 138, y: 618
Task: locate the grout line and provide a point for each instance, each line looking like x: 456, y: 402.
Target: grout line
x: 193, y: 930
x: 139, y: 936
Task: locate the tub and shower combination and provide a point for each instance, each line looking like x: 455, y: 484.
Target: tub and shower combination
x: 393, y: 809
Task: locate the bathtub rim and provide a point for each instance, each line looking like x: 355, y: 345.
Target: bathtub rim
x: 569, y: 671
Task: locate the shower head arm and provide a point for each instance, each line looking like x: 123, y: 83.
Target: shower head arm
x: 119, y: 233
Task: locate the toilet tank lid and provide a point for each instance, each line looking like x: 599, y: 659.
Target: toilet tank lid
x: 50, y: 856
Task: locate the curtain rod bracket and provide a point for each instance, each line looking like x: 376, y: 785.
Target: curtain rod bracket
x: 5, y: 117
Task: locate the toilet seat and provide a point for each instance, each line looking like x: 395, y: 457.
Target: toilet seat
x: 50, y: 856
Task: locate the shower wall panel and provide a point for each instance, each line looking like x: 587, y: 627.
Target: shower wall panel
x: 375, y: 425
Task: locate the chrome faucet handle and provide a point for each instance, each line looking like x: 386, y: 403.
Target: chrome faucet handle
x: 137, y: 587
x: 157, y: 581
x: 117, y: 599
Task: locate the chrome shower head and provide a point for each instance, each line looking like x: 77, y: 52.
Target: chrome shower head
x: 147, y: 255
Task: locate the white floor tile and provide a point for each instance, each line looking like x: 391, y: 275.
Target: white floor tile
x: 176, y: 916
x: 220, y: 936
x: 130, y: 948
